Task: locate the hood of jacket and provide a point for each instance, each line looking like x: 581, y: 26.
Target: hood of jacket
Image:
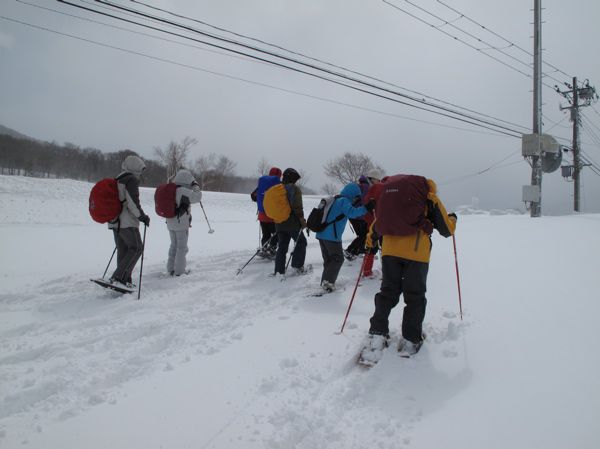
x: 133, y: 164
x: 351, y: 191
x: 183, y: 178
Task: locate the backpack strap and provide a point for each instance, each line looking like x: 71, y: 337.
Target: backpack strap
x: 118, y: 220
x: 336, y: 219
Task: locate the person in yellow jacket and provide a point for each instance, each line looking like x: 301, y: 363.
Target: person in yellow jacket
x: 405, y: 263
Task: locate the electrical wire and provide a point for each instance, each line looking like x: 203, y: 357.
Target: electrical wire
x: 494, y: 166
x: 181, y: 16
x: 470, y: 120
x: 236, y: 78
x: 528, y: 75
x: 512, y: 44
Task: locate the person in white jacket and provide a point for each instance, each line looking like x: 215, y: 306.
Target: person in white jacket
x: 187, y: 193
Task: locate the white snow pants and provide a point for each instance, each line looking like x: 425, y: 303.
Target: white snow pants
x: 177, y: 252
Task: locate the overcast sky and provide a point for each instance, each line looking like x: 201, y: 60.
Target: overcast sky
x: 56, y: 87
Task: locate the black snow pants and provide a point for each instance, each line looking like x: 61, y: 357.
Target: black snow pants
x: 409, y: 278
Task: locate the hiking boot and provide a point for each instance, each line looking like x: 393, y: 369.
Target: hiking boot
x: 407, y: 348
x: 302, y: 270
x: 378, y: 342
x: 349, y: 256
x: 327, y: 286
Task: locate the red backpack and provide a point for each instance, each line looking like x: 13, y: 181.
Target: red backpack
x: 401, y: 206
x: 165, y: 201
x: 104, y: 203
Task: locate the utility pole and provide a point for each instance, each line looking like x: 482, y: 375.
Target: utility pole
x: 587, y: 94
x: 576, y: 163
x: 536, y: 160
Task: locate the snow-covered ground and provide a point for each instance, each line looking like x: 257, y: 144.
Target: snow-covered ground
x: 218, y: 361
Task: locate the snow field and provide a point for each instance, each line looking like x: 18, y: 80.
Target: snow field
x: 215, y: 360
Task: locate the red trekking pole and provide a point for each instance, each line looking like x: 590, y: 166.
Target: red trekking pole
x: 353, y: 293
x: 457, y: 277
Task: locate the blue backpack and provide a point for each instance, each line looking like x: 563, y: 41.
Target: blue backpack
x: 264, y: 184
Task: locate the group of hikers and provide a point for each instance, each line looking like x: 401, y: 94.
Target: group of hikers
x: 394, y: 215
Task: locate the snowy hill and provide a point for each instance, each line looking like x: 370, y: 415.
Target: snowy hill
x: 217, y: 361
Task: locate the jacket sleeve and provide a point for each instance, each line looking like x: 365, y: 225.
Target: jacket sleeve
x: 132, y: 196
x: 439, y: 217
x: 352, y: 212
x: 296, y: 205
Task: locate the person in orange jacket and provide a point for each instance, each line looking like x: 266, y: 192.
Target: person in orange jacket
x: 405, y: 263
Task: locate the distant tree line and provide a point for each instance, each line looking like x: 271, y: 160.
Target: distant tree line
x: 25, y: 157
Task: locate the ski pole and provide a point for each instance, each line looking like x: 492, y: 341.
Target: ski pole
x: 111, y: 258
x: 262, y: 248
x: 353, y: 294
x: 239, y: 270
x: 292, y: 253
x: 142, y: 263
x: 457, y: 278
x: 210, y: 230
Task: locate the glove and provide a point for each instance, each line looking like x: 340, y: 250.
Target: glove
x: 453, y: 215
x: 145, y: 219
x: 370, y: 205
x: 302, y: 222
x: 372, y: 244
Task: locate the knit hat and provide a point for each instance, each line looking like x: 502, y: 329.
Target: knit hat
x: 133, y: 164
x: 183, y: 178
x: 290, y: 176
x: 275, y: 172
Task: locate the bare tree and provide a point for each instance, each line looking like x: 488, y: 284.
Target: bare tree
x: 204, y: 168
x: 349, y: 167
x: 263, y: 167
x: 330, y: 189
x: 223, y: 168
x: 175, y: 155
x: 303, y: 179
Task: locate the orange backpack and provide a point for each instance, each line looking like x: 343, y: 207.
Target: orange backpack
x: 276, y: 203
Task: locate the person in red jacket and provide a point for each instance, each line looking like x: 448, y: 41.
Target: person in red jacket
x: 374, y: 176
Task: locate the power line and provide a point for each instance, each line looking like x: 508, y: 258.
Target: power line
x: 139, y: 33
x: 494, y: 166
x: 512, y: 44
x: 469, y: 118
x: 181, y: 16
x: 188, y: 66
x: 480, y: 50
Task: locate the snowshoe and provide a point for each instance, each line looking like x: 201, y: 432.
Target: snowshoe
x: 113, y: 284
x: 372, y: 351
x: 407, y: 348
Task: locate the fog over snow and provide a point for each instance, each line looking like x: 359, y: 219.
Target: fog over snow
x: 214, y: 360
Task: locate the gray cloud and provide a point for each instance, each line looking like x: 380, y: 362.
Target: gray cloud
x: 59, y: 88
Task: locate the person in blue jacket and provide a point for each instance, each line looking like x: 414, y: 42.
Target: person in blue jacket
x: 330, y: 239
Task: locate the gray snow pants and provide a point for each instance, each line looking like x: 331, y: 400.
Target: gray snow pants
x: 129, y: 250
x: 177, y: 252
x: 333, y: 259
